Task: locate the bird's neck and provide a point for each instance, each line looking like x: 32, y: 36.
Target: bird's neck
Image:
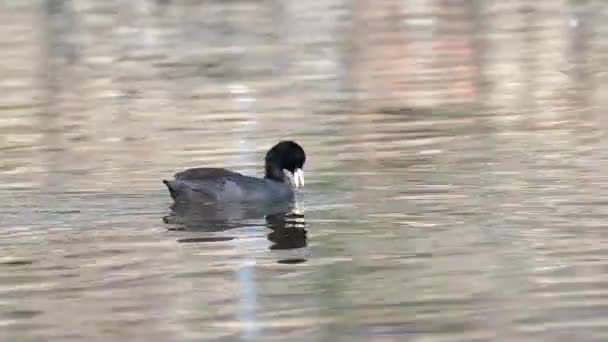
x: 275, y: 173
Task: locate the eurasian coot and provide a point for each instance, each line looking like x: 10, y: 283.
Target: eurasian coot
x: 221, y: 185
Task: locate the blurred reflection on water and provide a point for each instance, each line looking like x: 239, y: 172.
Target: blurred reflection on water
x: 456, y: 180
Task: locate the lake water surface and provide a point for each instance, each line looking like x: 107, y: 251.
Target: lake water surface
x: 416, y: 225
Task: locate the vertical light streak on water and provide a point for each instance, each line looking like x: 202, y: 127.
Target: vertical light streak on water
x: 246, y: 273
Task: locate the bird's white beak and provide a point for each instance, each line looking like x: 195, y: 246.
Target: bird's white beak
x: 298, y: 178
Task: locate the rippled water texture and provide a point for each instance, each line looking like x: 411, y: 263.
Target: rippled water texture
x: 479, y: 217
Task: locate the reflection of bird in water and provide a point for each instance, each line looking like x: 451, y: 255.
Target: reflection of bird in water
x: 288, y: 230
x: 287, y: 223
x: 213, y: 217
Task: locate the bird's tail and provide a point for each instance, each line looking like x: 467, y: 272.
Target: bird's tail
x: 170, y: 186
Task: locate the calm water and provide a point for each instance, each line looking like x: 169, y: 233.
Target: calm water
x: 417, y: 225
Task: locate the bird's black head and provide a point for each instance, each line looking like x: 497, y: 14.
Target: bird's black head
x: 286, y: 155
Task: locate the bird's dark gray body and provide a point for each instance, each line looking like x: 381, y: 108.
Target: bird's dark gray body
x: 216, y: 185
x: 221, y: 185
